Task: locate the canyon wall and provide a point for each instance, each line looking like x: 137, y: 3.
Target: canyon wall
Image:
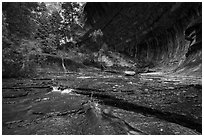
x: 162, y: 36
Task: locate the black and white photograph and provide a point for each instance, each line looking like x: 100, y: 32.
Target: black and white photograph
x: 101, y: 68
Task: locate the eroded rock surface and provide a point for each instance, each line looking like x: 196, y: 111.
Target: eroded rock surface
x: 102, y: 103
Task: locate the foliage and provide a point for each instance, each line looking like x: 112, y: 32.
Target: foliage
x: 48, y: 30
x: 17, y: 26
x: 73, y: 21
x: 35, y: 28
x: 18, y: 17
x: 96, y: 35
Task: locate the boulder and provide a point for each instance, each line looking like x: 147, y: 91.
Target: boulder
x: 129, y: 73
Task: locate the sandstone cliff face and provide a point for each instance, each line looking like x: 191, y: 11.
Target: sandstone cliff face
x: 163, y: 36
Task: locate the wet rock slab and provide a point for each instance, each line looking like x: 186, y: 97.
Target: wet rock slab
x: 101, y: 103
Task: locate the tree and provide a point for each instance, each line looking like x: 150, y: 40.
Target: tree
x: 73, y: 21
x: 17, y: 26
x: 18, y: 17
x: 37, y: 27
x: 48, y: 33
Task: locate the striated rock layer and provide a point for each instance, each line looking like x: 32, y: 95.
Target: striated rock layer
x: 160, y: 36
